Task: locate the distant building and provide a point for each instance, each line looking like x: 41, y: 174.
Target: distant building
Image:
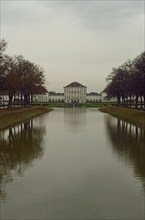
x: 94, y: 97
x: 40, y: 97
x: 4, y: 97
x: 105, y: 98
x: 75, y: 93
x: 55, y: 97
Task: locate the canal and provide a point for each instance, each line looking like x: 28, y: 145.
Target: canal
x: 73, y: 163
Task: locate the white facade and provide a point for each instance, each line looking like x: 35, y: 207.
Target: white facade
x: 40, y: 97
x: 4, y: 98
x: 49, y: 97
x: 105, y: 98
x: 56, y: 97
x: 75, y: 93
x: 94, y: 97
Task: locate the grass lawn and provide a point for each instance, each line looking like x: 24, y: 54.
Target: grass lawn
x: 135, y: 117
x: 10, y: 117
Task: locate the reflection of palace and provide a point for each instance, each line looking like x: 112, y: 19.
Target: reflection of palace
x: 128, y: 143
x: 75, y: 118
x: 19, y: 147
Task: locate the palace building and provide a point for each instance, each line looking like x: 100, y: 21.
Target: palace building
x: 75, y: 93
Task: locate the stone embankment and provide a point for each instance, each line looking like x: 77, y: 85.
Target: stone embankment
x: 130, y: 115
x: 11, y: 117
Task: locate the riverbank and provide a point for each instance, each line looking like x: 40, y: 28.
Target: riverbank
x: 11, y: 117
x: 130, y: 115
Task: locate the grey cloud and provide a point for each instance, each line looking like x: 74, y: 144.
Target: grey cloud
x: 24, y: 12
x: 91, y: 14
x: 99, y: 14
x: 74, y: 41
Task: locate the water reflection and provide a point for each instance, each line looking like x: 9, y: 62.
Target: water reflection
x: 75, y: 119
x: 19, y: 146
x: 128, y: 142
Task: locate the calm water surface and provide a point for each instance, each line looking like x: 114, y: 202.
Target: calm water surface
x: 73, y: 163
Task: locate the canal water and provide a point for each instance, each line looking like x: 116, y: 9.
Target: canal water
x: 72, y: 163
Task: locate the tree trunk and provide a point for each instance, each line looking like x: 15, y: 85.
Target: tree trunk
x: 118, y: 100
x: 31, y: 99
x: 10, y: 100
x: 141, y: 101
x: 26, y: 99
x: 14, y: 101
x: 21, y: 100
x: 136, y: 101
x: 130, y: 100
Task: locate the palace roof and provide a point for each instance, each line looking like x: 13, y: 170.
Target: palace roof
x: 92, y: 93
x: 74, y: 84
x: 55, y: 93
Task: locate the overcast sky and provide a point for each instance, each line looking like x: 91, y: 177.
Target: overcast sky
x: 74, y: 40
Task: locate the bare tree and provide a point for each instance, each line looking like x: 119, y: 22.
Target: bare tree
x: 18, y: 75
x: 128, y: 80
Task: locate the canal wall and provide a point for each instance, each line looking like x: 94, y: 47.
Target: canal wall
x: 11, y: 117
x: 135, y: 117
x: 67, y: 105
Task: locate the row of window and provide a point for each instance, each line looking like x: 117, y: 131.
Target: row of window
x: 75, y: 97
x: 73, y: 93
x: 74, y: 90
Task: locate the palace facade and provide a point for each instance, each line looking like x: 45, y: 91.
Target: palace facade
x: 73, y: 93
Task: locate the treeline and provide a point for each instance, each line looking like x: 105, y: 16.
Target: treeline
x: 127, y: 82
x: 19, y: 76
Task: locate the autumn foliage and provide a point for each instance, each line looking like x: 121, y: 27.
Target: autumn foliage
x: 19, y: 76
x: 127, y: 82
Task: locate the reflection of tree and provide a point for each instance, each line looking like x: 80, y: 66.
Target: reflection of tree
x: 19, y: 146
x: 128, y: 141
x: 75, y: 118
